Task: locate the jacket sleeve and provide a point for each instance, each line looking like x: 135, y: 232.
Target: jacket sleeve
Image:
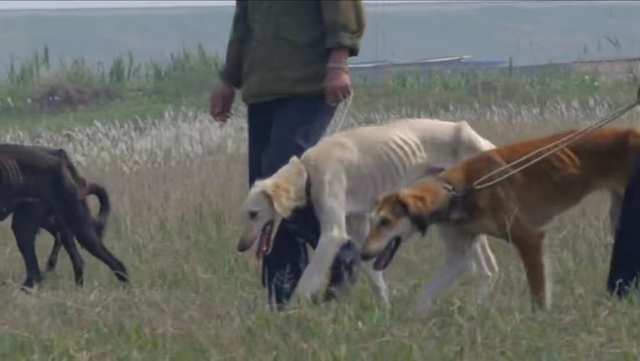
x: 232, y: 71
x: 345, y: 22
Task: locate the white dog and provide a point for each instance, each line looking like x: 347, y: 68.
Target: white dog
x: 343, y: 175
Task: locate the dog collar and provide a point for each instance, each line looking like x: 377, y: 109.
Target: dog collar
x: 452, y: 189
x: 457, y: 198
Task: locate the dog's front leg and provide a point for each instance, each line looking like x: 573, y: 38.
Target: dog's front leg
x: 358, y: 229
x: 379, y: 287
x: 457, y: 261
x: 486, y: 265
x: 333, y: 234
x: 528, y: 242
x: 315, y: 276
x: 328, y: 199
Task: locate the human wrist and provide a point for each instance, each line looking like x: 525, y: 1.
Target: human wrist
x: 338, y: 56
x: 223, y: 83
x: 337, y: 67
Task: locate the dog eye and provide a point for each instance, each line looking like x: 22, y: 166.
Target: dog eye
x: 253, y: 214
x: 384, y: 222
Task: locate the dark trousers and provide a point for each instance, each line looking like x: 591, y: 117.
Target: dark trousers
x: 278, y: 130
x: 625, y: 258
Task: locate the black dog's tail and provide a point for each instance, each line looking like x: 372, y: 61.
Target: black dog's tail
x: 100, y: 222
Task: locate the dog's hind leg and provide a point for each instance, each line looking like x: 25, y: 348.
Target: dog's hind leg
x: 66, y: 238
x: 92, y: 244
x: 63, y: 237
x: 458, y: 248
x: 72, y: 212
x: 48, y: 223
x: 52, y: 261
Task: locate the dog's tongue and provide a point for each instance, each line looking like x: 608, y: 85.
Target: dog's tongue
x: 264, y: 240
x: 383, y: 260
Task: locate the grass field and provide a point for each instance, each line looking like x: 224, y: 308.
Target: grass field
x: 176, y: 182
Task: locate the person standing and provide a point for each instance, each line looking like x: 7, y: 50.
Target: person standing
x: 289, y: 60
x: 624, y: 269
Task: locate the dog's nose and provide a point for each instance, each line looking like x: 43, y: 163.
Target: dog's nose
x: 243, y: 245
x: 366, y: 256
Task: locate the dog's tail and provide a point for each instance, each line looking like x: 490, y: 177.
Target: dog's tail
x: 472, y: 142
x: 101, y: 220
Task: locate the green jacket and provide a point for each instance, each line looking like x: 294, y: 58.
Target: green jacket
x: 281, y: 48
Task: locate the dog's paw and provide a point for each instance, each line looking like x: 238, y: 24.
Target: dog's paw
x: 309, y: 287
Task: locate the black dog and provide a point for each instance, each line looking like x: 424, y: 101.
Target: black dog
x: 42, y: 188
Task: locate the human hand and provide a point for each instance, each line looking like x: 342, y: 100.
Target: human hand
x: 221, y: 101
x: 337, y: 86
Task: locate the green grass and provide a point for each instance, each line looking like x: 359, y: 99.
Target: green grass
x: 176, y: 183
x: 177, y: 180
x: 146, y: 89
x: 193, y: 297
x: 128, y: 89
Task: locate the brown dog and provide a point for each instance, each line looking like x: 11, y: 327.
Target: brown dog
x: 514, y: 209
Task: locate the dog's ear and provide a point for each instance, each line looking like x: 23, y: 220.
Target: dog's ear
x: 416, y: 206
x: 280, y: 195
x: 287, y: 188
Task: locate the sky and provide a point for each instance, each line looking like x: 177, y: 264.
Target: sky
x: 7, y: 5
x: 25, y: 4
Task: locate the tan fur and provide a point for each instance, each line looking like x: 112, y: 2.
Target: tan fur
x: 275, y: 198
x: 286, y: 188
x: 346, y: 172
x: 517, y: 208
x: 282, y: 197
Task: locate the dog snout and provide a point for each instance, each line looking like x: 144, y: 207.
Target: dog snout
x: 371, y: 249
x: 367, y: 255
x: 248, y: 238
x: 245, y: 242
x: 243, y: 245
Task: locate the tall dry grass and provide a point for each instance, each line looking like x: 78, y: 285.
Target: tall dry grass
x: 176, y: 186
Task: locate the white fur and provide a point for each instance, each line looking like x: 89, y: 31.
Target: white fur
x: 348, y: 171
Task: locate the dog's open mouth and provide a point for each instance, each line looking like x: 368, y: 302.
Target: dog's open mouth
x: 383, y: 260
x: 264, y: 240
